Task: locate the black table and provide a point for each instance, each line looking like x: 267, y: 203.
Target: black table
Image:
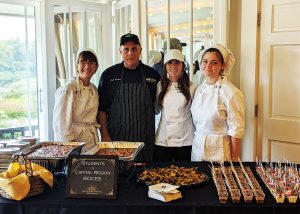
x: 132, y: 198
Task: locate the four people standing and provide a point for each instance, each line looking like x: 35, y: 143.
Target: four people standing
x: 210, y: 127
x: 217, y: 109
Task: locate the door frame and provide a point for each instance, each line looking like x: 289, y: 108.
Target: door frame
x: 249, y: 73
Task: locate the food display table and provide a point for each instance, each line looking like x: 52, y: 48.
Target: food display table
x: 132, y: 198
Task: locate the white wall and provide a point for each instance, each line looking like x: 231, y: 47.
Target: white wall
x: 249, y: 74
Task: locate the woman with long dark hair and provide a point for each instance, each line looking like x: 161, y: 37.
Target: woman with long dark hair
x: 174, y: 97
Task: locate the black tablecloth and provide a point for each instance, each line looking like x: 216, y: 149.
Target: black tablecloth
x: 132, y: 198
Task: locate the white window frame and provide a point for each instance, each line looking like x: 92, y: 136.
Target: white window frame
x: 39, y: 60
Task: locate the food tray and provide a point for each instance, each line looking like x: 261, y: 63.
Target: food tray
x: 175, y: 175
x: 54, y: 164
x: 125, y: 162
x: 136, y: 146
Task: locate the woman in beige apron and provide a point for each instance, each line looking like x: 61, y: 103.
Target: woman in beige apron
x: 76, y: 104
x: 217, y: 109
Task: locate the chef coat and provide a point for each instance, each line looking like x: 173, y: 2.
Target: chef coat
x: 75, y: 112
x: 218, y: 114
x: 176, y: 128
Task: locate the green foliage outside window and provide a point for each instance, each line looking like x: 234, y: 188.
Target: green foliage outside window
x: 17, y: 80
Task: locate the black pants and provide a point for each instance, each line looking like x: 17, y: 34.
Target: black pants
x: 162, y: 153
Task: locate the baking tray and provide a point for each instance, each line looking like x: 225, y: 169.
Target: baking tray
x: 125, y: 163
x: 136, y: 146
x: 54, y: 164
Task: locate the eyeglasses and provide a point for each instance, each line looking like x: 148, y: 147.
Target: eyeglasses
x: 84, y: 63
x: 127, y: 50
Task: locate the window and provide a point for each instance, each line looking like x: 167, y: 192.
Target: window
x: 77, y: 28
x: 19, y: 109
x: 203, y: 22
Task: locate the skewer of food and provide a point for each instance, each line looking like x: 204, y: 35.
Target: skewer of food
x: 231, y: 184
x: 292, y: 176
x: 253, y: 183
x: 219, y: 183
x: 275, y: 189
x: 282, y: 177
x: 243, y: 184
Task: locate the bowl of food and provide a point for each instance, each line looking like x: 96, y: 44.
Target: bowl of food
x: 175, y: 175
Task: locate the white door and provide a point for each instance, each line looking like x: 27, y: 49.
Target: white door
x: 279, y: 81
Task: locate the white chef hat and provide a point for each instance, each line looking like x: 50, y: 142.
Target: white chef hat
x: 86, y: 49
x: 226, y: 54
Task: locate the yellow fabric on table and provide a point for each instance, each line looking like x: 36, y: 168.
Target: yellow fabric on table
x: 16, y: 183
x: 38, y: 170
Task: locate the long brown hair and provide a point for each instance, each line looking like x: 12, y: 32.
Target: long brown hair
x: 183, y: 85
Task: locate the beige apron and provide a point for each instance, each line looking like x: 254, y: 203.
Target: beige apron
x: 84, y: 116
x: 87, y: 133
x: 211, y: 142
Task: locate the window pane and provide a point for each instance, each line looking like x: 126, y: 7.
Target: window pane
x: 18, y: 72
x: 85, y: 32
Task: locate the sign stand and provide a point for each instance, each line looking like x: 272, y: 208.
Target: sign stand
x: 92, y: 176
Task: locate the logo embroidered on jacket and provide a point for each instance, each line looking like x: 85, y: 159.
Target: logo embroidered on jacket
x: 151, y: 80
x: 113, y: 80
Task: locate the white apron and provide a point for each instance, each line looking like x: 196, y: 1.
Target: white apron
x: 211, y: 142
x: 176, y: 127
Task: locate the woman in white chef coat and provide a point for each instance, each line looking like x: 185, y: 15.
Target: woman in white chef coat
x: 76, y: 104
x: 174, y: 97
x: 217, y: 109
